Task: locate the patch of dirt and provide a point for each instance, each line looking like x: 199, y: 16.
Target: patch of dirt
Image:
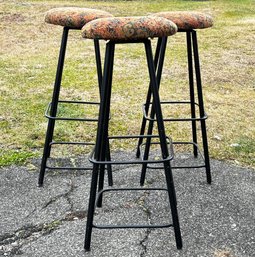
x: 223, y: 253
x: 76, y: 215
x: 12, y: 18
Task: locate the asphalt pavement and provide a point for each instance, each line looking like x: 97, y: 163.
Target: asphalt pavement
x: 216, y: 220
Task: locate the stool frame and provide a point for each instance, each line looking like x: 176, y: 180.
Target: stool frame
x: 192, y: 54
x: 99, y: 158
x: 51, y: 112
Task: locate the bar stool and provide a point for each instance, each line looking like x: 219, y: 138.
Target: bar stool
x: 124, y: 30
x: 186, y: 22
x: 70, y: 18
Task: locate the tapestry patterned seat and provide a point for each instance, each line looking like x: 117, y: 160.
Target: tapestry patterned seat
x: 187, y: 20
x: 128, y: 28
x: 74, y: 17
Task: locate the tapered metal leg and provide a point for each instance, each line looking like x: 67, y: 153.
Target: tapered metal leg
x: 54, y: 105
x: 100, y: 77
x: 109, y: 166
x: 163, y: 144
x: 152, y: 114
x: 105, y: 151
x: 148, y: 99
x: 101, y: 140
x: 91, y: 208
x: 201, y: 107
x: 191, y: 89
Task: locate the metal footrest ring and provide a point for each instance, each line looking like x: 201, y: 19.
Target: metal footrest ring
x: 89, y: 167
x: 145, y: 114
x: 47, y: 112
x: 137, y: 161
x: 202, y: 165
x: 131, y: 225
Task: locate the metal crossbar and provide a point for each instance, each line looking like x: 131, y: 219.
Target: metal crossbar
x: 92, y: 158
x: 145, y: 113
x: 49, y: 116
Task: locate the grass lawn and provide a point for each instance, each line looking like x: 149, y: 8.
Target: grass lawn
x: 28, y: 58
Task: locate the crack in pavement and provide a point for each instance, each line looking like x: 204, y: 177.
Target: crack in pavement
x: 65, y: 195
x: 31, y: 213
x: 10, y: 244
x: 141, y: 201
x: 143, y: 242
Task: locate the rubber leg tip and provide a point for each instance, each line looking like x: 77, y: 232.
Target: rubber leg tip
x: 209, y: 181
x: 179, y: 246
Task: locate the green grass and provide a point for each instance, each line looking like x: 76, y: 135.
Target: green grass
x: 15, y: 157
x: 29, y: 53
x: 244, y: 150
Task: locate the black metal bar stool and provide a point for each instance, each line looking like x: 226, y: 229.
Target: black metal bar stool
x: 186, y: 22
x: 70, y: 18
x: 124, y: 30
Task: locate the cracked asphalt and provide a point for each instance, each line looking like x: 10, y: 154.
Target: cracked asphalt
x: 217, y: 220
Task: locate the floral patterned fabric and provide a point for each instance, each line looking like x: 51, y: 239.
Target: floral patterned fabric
x: 187, y: 20
x: 128, y: 28
x: 74, y: 17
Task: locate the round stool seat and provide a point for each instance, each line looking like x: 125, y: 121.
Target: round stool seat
x: 187, y: 20
x: 74, y: 17
x: 128, y: 28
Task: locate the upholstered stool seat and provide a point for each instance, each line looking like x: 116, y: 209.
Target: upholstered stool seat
x: 70, y: 18
x: 74, y: 17
x: 128, y: 28
x: 187, y: 20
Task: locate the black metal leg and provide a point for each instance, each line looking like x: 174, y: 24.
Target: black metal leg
x: 54, y: 105
x: 91, y: 208
x: 101, y: 140
x: 109, y: 166
x: 148, y: 99
x: 201, y: 106
x: 152, y: 114
x: 163, y: 144
x: 192, y: 95
x: 105, y: 150
x: 100, y: 77
x: 98, y: 64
